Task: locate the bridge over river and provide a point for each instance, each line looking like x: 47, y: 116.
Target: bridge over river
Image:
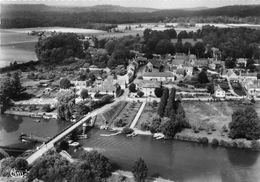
x: 50, y: 144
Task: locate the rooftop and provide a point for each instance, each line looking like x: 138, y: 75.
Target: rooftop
x: 147, y: 84
x: 158, y: 74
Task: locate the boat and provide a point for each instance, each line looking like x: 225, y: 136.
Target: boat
x: 46, y: 117
x: 132, y: 135
x: 83, y: 136
x: 159, y: 137
x: 37, y: 120
x: 74, y: 144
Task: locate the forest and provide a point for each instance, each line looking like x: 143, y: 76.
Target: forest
x: 24, y: 16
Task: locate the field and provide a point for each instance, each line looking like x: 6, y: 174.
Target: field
x: 203, y: 114
x: 126, y: 111
x: 16, y: 46
x: 109, y: 116
x: 148, y: 113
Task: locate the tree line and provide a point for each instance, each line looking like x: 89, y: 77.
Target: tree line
x: 25, y: 16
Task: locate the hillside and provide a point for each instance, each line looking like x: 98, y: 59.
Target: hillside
x: 31, y: 15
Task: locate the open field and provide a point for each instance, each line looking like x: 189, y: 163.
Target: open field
x: 126, y: 111
x: 148, y: 113
x: 16, y: 46
x: 203, y: 114
x: 111, y: 114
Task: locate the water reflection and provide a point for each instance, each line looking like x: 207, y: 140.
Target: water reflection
x: 10, y: 125
x: 238, y: 157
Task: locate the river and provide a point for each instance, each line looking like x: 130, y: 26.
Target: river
x: 12, y: 126
x: 177, y: 160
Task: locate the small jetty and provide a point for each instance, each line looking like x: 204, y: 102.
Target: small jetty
x: 112, y: 134
x: 33, y: 138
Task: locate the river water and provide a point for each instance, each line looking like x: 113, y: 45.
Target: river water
x: 177, y: 160
x: 12, y: 126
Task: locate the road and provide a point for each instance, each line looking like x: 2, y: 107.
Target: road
x: 137, y: 115
x: 44, y: 148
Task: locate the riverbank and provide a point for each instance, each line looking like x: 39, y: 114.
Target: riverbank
x: 33, y: 114
x: 217, y: 140
x: 203, y: 137
x: 129, y: 177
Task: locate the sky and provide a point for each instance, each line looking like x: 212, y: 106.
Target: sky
x: 158, y: 4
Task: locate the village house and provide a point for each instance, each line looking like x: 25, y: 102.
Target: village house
x: 241, y: 62
x: 254, y: 88
x: 230, y: 74
x: 79, y: 84
x: 188, y: 70
x: 159, y: 76
x: 147, y: 87
x: 149, y: 67
x: 219, y: 92
x: 203, y: 62
x: 248, y: 76
x: 107, y: 87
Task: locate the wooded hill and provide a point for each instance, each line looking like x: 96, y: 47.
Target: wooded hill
x: 31, y: 15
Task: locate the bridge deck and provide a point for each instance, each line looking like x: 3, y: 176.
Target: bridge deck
x: 49, y: 145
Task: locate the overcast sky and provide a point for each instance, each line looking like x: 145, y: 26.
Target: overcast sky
x: 160, y: 4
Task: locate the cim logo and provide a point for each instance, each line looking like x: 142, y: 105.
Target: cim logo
x: 18, y: 173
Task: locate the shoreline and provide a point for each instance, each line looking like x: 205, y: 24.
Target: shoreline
x: 207, y: 139
x: 32, y: 114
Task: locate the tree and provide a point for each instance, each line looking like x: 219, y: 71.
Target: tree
x: 199, y: 49
x: 99, y: 165
x: 187, y: 47
x: 172, y: 105
x: 56, y: 48
x: 202, y: 77
x: 84, y: 93
x: 179, y: 47
x: 65, y: 83
x: 51, y: 167
x: 163, y: 102
x: 100, y: 58
x: 6, y: 166
x: 140, y: 93
x: 251, y: 65
x: 46, y: 108
x: 155, y: 125
x: 230, y: 63
x: 86, y: 45
x: 132, y: 87
x: 20, y: 164
x: 245, y: 124
x: 169, y: 128
x: 183, y: 35
x: 82, y: 172
x: 64, y: 145
x: 140, y: 170
x: 164, y: 47
x: 171, y: 33
x: 81, y: 109
x: 158, y: 91
x: 110, y: 46
x: 126, y: 130
x: 66, y: 102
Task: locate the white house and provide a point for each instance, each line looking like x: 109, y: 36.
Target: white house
x: 79, y: 84
x: 189, y: 70
x: 147, y: 87
x: 159, y: 76
x: 219, y: 92
x: 254, y: 88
